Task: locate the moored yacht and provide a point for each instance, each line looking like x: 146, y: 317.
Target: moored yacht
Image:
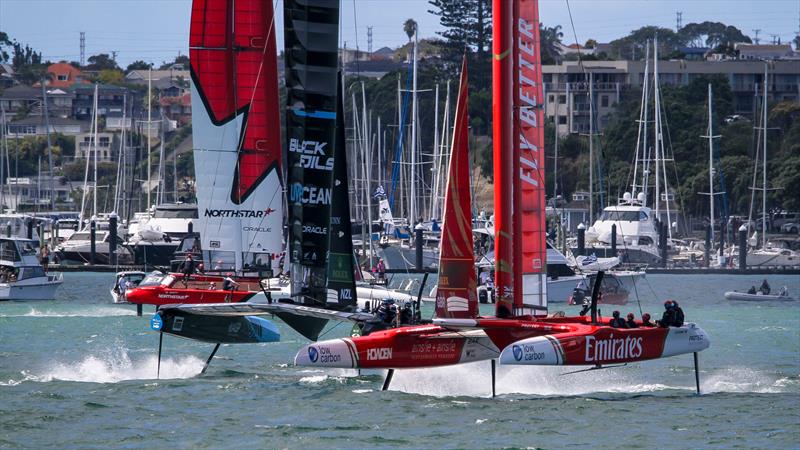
x: 636, y: 234
x: 22, y: 277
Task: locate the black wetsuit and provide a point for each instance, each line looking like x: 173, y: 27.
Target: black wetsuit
x: 678, y: 322
x: 631, y: 324
x: 668, y: 319
x: 618, y: 322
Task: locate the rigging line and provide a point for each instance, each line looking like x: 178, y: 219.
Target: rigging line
x: 330, y: 329
x: 355, y: 27
x: 575, y: 34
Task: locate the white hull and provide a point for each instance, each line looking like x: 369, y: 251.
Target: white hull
x: 744, y: 296
x: 771, y: 258
x: 41, y: 288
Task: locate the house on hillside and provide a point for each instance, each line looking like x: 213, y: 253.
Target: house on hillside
x: 35, y: 126
x: 764, y: 51
x: 141, y: 76
x: 64, y: 75
x: 20, y: 99
x: 6, y: 75
x: 110, y: 99
x: 85, y: 148
x: 177, y: 109
x: 28, y: 193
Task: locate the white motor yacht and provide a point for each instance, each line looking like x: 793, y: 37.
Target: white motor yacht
x: 636, y: 235
x: 22, y: 277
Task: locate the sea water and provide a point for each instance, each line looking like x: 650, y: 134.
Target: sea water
x: 80, y: 372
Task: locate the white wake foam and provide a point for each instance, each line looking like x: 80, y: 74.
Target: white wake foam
x: 474, y: 380
x: 114, y: 367
x: 100, y: 311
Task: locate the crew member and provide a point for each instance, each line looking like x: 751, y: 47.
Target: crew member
x: 387, y: 311
x: 617, y: 321
x: 668, y: 318
x: 765, y: 289
x: 228, y: 284
x: 380, y: 271
x: 678, y: 314
x: 752, y: 290
x: 406, y: 313
x: 122, y: 285
x: 188, y: 268
x: 646, y: 320
x: 630, y: 322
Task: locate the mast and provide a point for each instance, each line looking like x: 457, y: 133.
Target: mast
x: 433, y: 212
x: 412, y: 215
x: 657, y: 130
x: 764, y: 168
x: 502, y: 152
x: 591, y: 146
x: 49, y: 146
x: 94, y: 142
x: 368, y: 167
x: 641, y: 140
x: 147, y: 146
x: 710, y: 163
x: 645, y: 141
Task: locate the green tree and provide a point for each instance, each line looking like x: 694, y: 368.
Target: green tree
x: 138, y: 65
x: 468, y: 28
x: 111, y: 76
x: 550, y: 37
x: 102, y: 61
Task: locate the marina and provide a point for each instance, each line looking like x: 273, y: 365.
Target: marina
x: 484, y: 237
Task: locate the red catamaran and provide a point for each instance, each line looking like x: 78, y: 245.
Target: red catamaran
x: 521, y: 327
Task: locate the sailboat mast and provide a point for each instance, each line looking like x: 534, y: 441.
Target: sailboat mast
x: 435, y: 182
x: 412, y: 216
x: 46, y: 114
x: 147, y: 140
x: 591, y: 147
x: 710, y: 163
x: 657, y: 125
x: 368, y: 178
x: 94, y: 142
x: 645, y: 136
x: 764, y: 168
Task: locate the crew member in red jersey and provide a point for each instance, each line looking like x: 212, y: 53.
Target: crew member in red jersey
x: 646, y: 320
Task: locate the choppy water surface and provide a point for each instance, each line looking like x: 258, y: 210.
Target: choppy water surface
x: 79, y: 372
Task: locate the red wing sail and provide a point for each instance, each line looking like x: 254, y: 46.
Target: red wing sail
x: 530, y: 263
x: 502, y: 66
x: 456, y: 295
x: 232, y: 50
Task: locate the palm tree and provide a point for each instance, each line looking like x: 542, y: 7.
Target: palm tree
x: 410, y: 27
x: 551, y: 37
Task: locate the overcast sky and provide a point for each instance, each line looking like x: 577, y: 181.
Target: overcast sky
x: 157, y: 30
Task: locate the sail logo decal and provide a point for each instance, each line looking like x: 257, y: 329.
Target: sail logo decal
x: 528, y: 157
x: 314, y: 229
x: 517, y: 350
x: 379, y: 354
x: 610, y: 349
x: 239, y: 213
x: 309, y: 194
x: 313, y: 354
x: 312, y: 154
x: 323, y: 355
x: 527, y: 352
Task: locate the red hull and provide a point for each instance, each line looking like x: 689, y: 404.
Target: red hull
x: 174, y: 291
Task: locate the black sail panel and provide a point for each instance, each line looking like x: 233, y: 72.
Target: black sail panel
x: 341, y: 277
x: 311, y: 35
